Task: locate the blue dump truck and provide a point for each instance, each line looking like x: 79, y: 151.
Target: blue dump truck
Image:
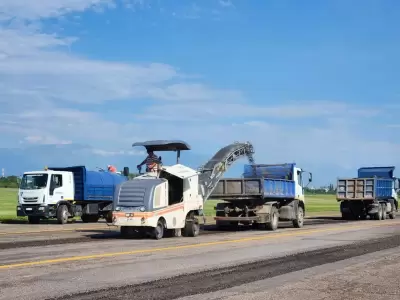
x: 265, y: 195
x: 68, y: 192
x: 373, y: 193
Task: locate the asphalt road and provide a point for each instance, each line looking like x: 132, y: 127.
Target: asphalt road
x: 142, y: 269
x: 25, y: 235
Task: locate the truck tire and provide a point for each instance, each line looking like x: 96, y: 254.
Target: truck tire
x: 158, y: 231
x: 383, y: 211
x: 33, y: 220
x: 378, y: 215
x: 109, y: 217
x: 62, y: 214
x: 299, y: 221
x: 273, y: 224
x: 192, y: 228
x: 392, y: 214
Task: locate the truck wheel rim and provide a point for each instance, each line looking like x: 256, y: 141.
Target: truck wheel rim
x: 64, y: 214
x: 275, y: 219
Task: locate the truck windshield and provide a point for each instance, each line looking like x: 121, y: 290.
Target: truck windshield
x: 33, y: 181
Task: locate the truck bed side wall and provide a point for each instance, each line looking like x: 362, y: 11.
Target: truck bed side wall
x: 93, y: 185
x: 364, y: 188
x: 248, y: 188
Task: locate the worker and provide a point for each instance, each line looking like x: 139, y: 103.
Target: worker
x: 151, y: 162
x: 112, y: 169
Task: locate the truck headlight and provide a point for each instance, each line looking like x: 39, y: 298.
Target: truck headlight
x: 41, y: 208
x: 118, y: 208
x: 142, y: 208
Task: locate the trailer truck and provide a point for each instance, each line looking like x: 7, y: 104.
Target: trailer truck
x: 64, y: 193
x: 372, y: 193
x: 169, y: 200
x: 264, y: 195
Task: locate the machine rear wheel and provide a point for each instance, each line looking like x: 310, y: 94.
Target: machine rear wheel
x: 192, y: 226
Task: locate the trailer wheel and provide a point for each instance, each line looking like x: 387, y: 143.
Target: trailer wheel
x: 33, y: 220
x: 62, y: 214
x: 158, y: 231
x: 299, y: 221
x: 273, y: 224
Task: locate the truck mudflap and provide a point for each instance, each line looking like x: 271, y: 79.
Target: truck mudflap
x: 36, y: 211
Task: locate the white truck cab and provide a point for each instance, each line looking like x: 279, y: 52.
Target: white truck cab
x: 40, y: 190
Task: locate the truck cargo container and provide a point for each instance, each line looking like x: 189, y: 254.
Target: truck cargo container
x: 68, y: 192
x: 265, y: 195
x: 373, y: 193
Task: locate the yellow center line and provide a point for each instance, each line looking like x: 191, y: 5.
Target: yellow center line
x: 169, y: 248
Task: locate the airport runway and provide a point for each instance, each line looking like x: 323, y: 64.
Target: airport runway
x: 233, y: 264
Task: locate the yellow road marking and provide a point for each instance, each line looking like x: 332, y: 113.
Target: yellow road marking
x: 55, y: 230
x: 242, y: 240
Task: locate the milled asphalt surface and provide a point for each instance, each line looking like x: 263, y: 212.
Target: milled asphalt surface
x: 228, y: 277
x: 150, y: 260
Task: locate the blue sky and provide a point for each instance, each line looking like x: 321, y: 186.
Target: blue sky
x: 314, y: 82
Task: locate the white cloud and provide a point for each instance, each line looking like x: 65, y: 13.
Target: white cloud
x: 33, y: 10
x: 225, y: 3
x: 106, y: 153
x: 44, y: 140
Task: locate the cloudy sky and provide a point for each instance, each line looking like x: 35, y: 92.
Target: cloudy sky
x: 315, y: 82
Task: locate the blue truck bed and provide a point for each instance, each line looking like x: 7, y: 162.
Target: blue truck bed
x: 364, y: 188
x: 259, y: 181
x: 253, y: 188
x: 93, y: 185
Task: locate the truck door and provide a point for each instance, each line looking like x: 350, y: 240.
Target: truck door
x: 56, y: 192
x: 299, y: 183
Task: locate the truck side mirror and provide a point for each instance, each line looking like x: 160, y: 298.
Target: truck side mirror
x: 126, y: 171
x: 310, y: 178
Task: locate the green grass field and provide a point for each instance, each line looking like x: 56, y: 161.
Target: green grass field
x: 315, y: 204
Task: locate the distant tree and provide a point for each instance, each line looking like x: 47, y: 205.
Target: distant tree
x: 9, y: 182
